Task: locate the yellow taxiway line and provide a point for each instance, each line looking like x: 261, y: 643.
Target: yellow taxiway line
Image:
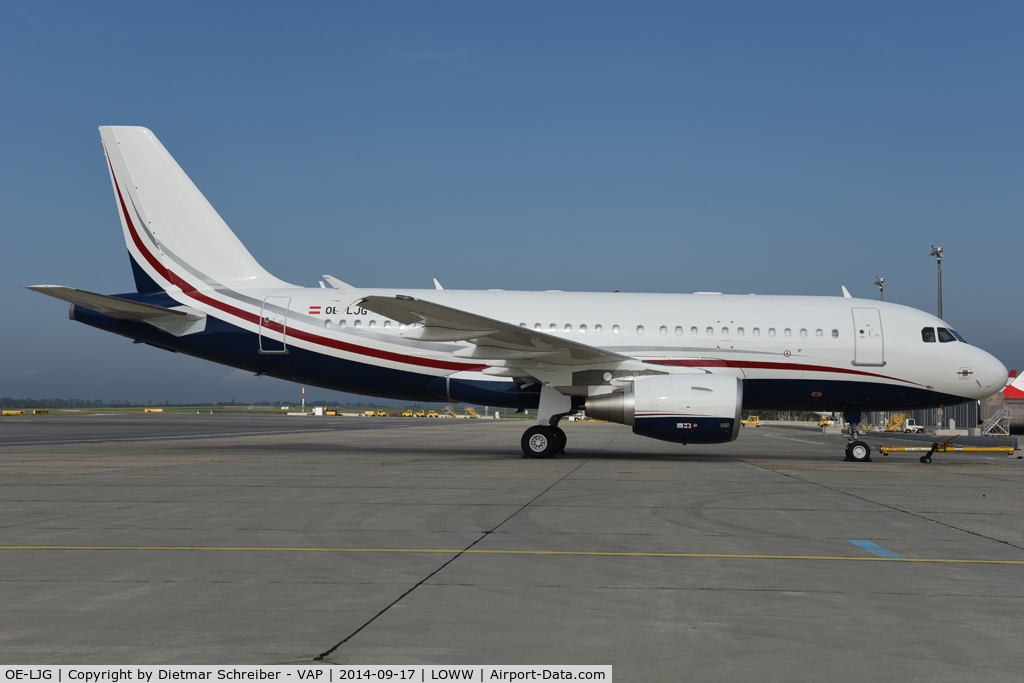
x: 584, y: 553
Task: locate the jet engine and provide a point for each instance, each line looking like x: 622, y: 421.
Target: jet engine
x: 679, y: 408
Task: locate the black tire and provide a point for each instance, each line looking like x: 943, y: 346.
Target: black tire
x: 560, y: 440
x: 858, y: 451
x: 539, y: 442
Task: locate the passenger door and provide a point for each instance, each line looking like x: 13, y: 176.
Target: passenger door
x: 868, y: 344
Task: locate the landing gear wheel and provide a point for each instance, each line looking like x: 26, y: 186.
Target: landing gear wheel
x: 858, y: 451
x: 560, y: 440
x: 539, y: 442
x: 926, y: 458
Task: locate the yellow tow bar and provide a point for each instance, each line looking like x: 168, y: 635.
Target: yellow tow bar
x: 944, y: 447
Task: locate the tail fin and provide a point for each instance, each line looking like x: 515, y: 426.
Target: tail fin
x: 1015, y: 386
x: 175, y: 237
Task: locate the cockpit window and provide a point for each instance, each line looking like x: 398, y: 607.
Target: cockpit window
x: 959, y: 337
x: 945, y: 335
x: 928, y: 334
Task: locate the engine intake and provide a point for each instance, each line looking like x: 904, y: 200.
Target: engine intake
x: 678, y: 408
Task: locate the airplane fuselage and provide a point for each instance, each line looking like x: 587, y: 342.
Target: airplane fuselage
x: 676, y: 367
x: 793, y: 352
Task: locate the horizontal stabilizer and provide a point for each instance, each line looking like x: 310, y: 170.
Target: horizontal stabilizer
x: 109, y: 305
x: 176, y: 321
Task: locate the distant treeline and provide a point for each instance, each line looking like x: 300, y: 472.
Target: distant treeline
x: 9, y: 403
x: 56, y: 403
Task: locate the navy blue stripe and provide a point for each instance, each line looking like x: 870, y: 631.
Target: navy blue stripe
x: 230, y: 345
x: 144, y: 284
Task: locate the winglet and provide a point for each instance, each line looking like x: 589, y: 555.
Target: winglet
x: 846, y: 294
x: 343, y: 286
x: 437, y: 285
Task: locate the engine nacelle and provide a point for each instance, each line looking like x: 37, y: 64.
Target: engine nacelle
x: 680, y: 408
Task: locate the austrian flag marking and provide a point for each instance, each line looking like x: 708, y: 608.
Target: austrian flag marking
x: 314, y: 310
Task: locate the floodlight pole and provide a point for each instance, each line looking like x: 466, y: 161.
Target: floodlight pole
x: 880, y: 282
x: 937, y: 253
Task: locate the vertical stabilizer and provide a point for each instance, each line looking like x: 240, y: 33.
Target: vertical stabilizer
x: 1015, y: 386
x: 175, y: 237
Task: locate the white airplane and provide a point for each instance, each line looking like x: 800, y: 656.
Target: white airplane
x: 676, y: 367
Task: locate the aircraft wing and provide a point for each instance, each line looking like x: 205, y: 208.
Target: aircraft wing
x: 492, y: 340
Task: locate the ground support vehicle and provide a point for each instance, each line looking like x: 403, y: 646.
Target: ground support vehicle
x: 944, y: 447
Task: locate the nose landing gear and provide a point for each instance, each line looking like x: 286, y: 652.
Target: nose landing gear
x: 856, y: 450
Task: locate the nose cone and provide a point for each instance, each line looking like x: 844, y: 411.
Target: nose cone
x: 990, y: 375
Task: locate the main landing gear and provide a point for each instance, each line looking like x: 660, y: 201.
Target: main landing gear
x: 546, y: 439
x: 856, y: 450
x: 543, y: 441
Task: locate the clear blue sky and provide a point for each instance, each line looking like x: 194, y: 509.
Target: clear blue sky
x: 784, y: 148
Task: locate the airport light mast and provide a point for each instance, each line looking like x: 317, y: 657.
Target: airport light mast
x: 937, y: 253
x: 880, y: 282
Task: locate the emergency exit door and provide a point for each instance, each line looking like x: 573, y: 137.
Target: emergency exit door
x: 274, y: 324
x: 868, y: 344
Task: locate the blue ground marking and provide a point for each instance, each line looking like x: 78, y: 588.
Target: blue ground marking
x: 877, y: 549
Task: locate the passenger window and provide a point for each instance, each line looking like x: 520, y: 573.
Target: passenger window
x: 401, y: 326
x: 552, y: 327
x: 387, y: 324
x: 725, y: 331
x: 373, y: 323
x: 835, y: 334
x: 358, y: 323
x: 771, y: 331
x: 583, y: 329
x: 522, y: 324
x: 928, y: 335
x: 679, y: 331
x: 693, y: 331
x: 818, y: 333
x: 598, y: 329
x: 944, y: 335
x: 739, y: 331
x: 663, y: 330
x: 787, y: 332
x: 615, y: 329
x: 710, y: 331
x: 639, y: 329
x: 568, y: 327
x: 757, y: 332
x: 327, y: 323
x: 536, y: 326
x: 342, y: 323
x: 803, y: 333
